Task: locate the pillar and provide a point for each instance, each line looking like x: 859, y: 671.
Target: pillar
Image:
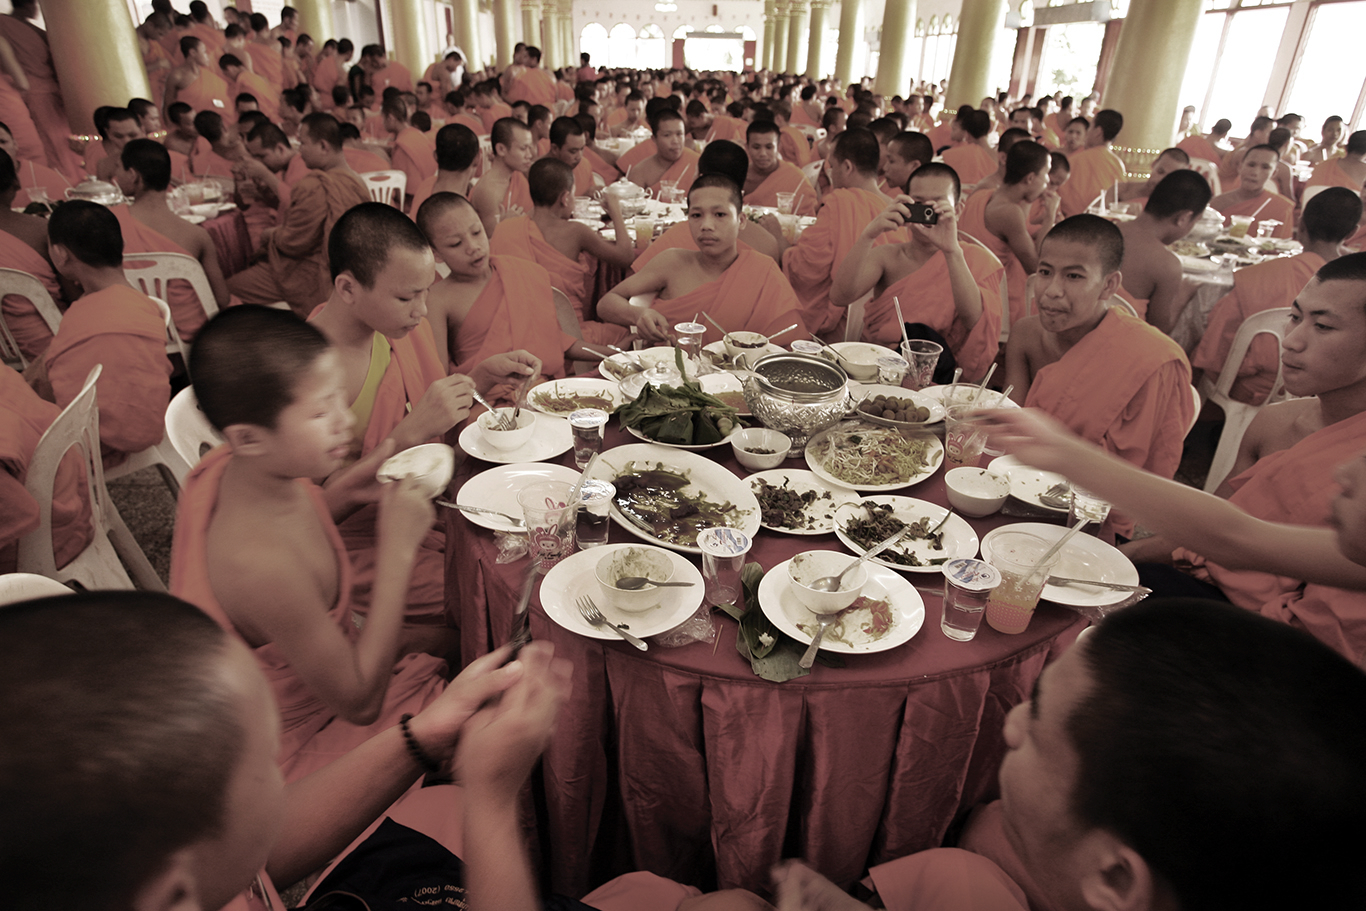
x: 893, y: 63
x: 851, y: 27
x: 1156, y: 36
x: 568, y: 39
x: 408, y: 43
x: 97, y: 58
x: 315, y: 19
x: 531, y: 22
x: 980, y: 25
x: 465, y: 28
x: 550, y: 31
x: 505, y: 25
x: 796, y: 37
x: 766, y: 52
x: 779, y: 37
x: 816, y: 45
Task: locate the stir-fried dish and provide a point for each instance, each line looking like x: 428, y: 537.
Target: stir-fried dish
x: 656, y: 498
x: 880, y: 523
x: 876, y: 456
x: 784, y: 507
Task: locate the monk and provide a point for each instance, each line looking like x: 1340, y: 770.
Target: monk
x: 24, y: 246
x: 1230, y: 164
x: 122, y: 127
x: 951, y: 287
x: 1116, y: 381
x: 906, y: 151
x: 221, y: 148
x: 567, y: 250
x: 975, y: 159
x: 1167, y: 161
x: 1152, y: 273
x: 503, y: 192
x: 155, y: 60
x: 182, y: 137
x: 244, y: 81
x: 671, y: 162
x: 1329, y: 145
x: 43, y: 97
x: 529, y: 82
x: 742, y: 289
x: 203, y: 26
x: 266, y: 59
x: 196, y: 84
x: 1203, y: 148
x: 458, y: 160
x: 149, y: 226
x: 267, y: 177
x: 1003, y: 146
x: 1329, y: 219
x: 32, y: 175
x: 538, y: 118
x: 1095, y: 169
x: 111, y: 324
x: 294, y: 268
x: 1250, y: 196
x: 793, y: 144
x: 845, y: 211
x: 459, y: 107
x: 491, y: 107
x: 630, y: 117
x: 1074, y: 136
x: 770, y: 174
x: 919, y: 120
x: 568, y: 143
x: 412, y: 152
x: 1348, y: 171
x: 382, y: 73
x: 331, y: 71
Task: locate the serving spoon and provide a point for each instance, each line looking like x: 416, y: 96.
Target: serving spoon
x: 634, y: 583
x: 832, y: 583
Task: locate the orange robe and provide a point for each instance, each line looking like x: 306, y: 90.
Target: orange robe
x: 293, y: 72
x: 607, y: 172
x: 926, y: 297
x: 683, y: 171
x: 187, y: 311
x: 515, y: 310
x: 1093, y: 170
x: 636, y: 153
x: 615, y: 117
x: 327, y: 74
x: 1330, y: 174
x: 266, y: 94
x: 802, y: 118
x: 811, y: 262
x: 946, y: 878
x: 492, y: 114
x: 752, y: 295
x: 679, y: 235
x: 726, y: 127
x: 1198, y: 147
x: 1277, y: 207
x: 29, y: 329
x: 941, y: 135
x: 422, y: 192
x: 93, y: 155
x: 14, y: 114
x: 156, y: 75
x: 214, y: 40
x: 34, y: 174
x: 209, y: 92
x: 311, y: 734
x: 583, y: 177
x: 1334, y: 616
x: 532, y: 85
x: 394, y: 74
x: 205, y: 162
x: 413, y: 156
x: 974, y: 224
x: 972, y: 162
x: 24, y: 417
x: 267, y: 63
x: 475, y: 125
x: 44, y: 97
x: 793, y: 146
x: 787, y: 178
x: 518, y: 194
x: 363, y: 160
x: 1265, y: 286
x: 122, y: 329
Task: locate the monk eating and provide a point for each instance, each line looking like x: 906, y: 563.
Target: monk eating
x: 948, y: 286
x: 769, y: 174
x: 1095, y: 169
x: 974, y: 159
x: 24, y: 246
x: 630, y: 117
x: 458, y: 159
x: 122, y: 127
x: 671, y: 163
x: 195, y: 83
x: 1152, y: 273
x: 1251, y: 197
x: 503, y: 192
x: 412, y: 152
x: 741, y: 289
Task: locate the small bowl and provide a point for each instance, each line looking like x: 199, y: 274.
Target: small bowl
x: 744, y: 343
x: 507, y: 439
x: 976, y: 492
x: 432, y: 464
x: 649, y: 562
x: 807, y: 567
x: 860, y: 361
x: 744, y: 442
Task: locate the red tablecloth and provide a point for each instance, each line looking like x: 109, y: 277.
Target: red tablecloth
x: 684, y: 763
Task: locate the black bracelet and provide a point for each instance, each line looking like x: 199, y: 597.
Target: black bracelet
x: 424, y: 762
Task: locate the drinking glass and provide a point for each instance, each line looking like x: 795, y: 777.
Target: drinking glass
x: 923, y: 356
x: 1086, y: 505
x: 690, y: 340
x: 967, y: 586
x: 549, y: 521
x: 723, y: 556
x: 785, y: 201
x: 892, y: 370
x: 595, y: 498
x: 587, y: 425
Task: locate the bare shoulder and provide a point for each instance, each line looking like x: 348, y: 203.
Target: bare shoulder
x: 1027, y: 334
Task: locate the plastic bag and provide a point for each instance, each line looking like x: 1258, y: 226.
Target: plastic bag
x: 700, y: 627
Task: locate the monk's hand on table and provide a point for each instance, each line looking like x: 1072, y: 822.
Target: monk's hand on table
x: 507, y: 371
x: 446, y: 403
x: 406, y: 515
x: 652, y: 326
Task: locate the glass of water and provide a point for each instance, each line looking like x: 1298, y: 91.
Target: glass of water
x: 1086, y: 505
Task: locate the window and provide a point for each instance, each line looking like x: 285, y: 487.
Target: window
x: 622, y: 45
x: 1323, y: 82
x: 593, y: 41
x: 1199, y: 69
x: 1071, y: 52
x: 1241, y: 76
x: 651, y: 49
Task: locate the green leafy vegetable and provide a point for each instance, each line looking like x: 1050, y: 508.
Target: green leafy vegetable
x: 683, y: 415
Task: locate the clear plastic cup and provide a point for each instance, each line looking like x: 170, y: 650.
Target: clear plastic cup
x: 587, y: 426
x: 964, y: 437
x: 892, y: 370
x: 967, y: 587
x: 644, y: 226
x: 690, y: 340
x: 923, y: 356
x: 723, y: 556
x: 549, y: 521
x: 1267, y: 227
x: 1239, y: 225
x: 595, y: 501
x: 1086, y: 505
x: 1016, y: 555
x: 785, y: 202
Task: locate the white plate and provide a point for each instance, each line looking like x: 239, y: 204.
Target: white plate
x: 549, y: 439
x: 782, y: 607
x: 992, y: 399
x: 821, y: 513
x: 959, y: 538
x: 717, y: 350
x: 724, y: 441
x: 576, y: 385
x: 815, y: 448
x: 935, y: 405
x: 719, y: 484
x: 1027, y: 483
x: 1198, y: 266
x: 574, y: 577
x: 612, y: 368
x: 871, y: 351
x: 497, y: 489
x: 1084, y: 557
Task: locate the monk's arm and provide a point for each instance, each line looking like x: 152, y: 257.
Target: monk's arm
x: 10, y: 64
x: 446, y: 403
x: 1252, y: 445
x: 18, y: 510
x: 620, y: 253
x: 616, y: 306
x: 486, y: 204
x: 208, y: 260
x: 863, y: 267
x: 967, y: 296
x: 1023, y: 335
x: 1012, y: 224
x: 1170, y: 295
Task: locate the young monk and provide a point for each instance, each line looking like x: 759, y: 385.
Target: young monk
x: 567, y: 250
x: 1115, y: 380
x: 1348, y: 171
x: 267, y: 177
x: 1167, y: 161
x: 1251, y: 197
x: 974, y: 159
x: 24, y: 246
x: 671, y: 162
x: 111, y: 324
x: 1260, y: 133
x: 122, y: 126
x: 1152, y: 273
x: 742, y: 289
x: 412, y: 152
x: 1003, y: 147
x: 243, y: 80
x: 1095, y: 169
x: 568, y: 144
x: 793, y: 143
x: 951, y: 287
x: 458, y: 160
x: 906, y: 151
x: 1329, y: 218
x: 1074, y: 136
x: 195, y: 83
x: 219, y: 149
x: 31, y: 174
x: 503, y: 192
x: 854, y: 202
x: 1203, y: 148
x: 769, y: 174
x: 630, y: 117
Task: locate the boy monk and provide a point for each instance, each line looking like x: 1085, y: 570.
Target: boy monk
x: 111, y: 324
x: 906, y: 151
x: 770, y: 175
x: 24, y: 246
x: 412, y: 152
x: 951, y: 287
x: 742, y: 289
x: 1112, y: 378
x: 567, y: 250
x: 1152, y: 273
x: 503, y: 192
x: 1251, y: 197
x: 1095, y: 168
x: 671, y: 161
x: 568, y: 143
x: 1329, y: 218
x: 1167, y: 161
x: 458, y: 158
x: 1348, y: 171
x: 975, y: 159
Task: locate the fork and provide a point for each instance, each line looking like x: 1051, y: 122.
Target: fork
x: 1059, y: 496
x: 590, y: 612
x: 491, y: 512
x: 504, y: 423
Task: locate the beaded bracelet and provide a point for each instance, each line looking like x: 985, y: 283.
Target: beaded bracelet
x: 424, y: 762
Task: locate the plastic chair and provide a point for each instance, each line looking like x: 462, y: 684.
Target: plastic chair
x: 386, y: 186
x: 1195, y: 415
x: 159, y: 269
x: 1308, y: 194
x: 174, y: 344
x: 1208, y: 170
x: 812, y: 170
x: 98, y: 565
x: 16, y: 587
x: 1238, y: 415
x: 188, y: 430
x: 13, y: 281
x: 853, y: 318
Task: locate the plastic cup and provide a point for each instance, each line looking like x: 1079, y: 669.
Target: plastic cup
x: 891, y: 370
x: 669, y: 192
x: 595, y: 499
x: 923, y: 356
x: 964, y: 438
x: 38, y: 195
x: 802, y: 346
x: 785, y: 202
x: 1016, y: 555
x: 587, y: 426
x: 549, y: 521
x: 1239, y: 225
x: 644, y: 226
x: 1086, y: 505
x: 723, y: 556
x: 967, y: 586
x: 1267, y: 227
x: 690, y: 340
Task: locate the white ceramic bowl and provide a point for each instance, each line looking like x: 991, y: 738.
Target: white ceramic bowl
x: 649, y: 562
x: 507, y: 439
x: 432, y: 464
x: 860, y: 361
x: 744, y: 343
x: 744, y: 442
x: 807, y: 567
x: 976, y: 492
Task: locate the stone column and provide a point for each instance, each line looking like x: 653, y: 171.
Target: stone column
x: 315, y: 19
x: 531, y: 22
x: 505, y: 26
x: 770, y: 23
x: 851, y: 27
x: 796, y: 37
x: 550, y: 31
x: 980, y: 25
x: 1156, y: 36
x: 465, y: 27
x: 779, y: 37
x: 816, y: 46
x: 893, y: 64
x: 408, y: 43
x: 569, y: 39
x: 96, y: 55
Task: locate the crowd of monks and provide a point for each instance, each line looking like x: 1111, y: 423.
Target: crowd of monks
x: 991, y: 231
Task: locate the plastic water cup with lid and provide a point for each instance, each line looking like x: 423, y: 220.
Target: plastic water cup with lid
x: 967, y: 586
x: 723, y: 556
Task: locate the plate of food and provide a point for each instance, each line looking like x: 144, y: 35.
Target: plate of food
x: 1084, y: 557
x: 561, y: 398
x: 549, y: 439
x: 798, y: 502
x: 574, y: 577
x: 872, y: 459
x: 619, y: 366
x: 967, y: 394
x: 893, y: 406
x: 1188, y: 248
x: 726, y: 387
x: 716, y: 351
x: 887, y: 614
x: 1028, y: 484
x: 682, y: 416
x: 497, y: 489
x: 666, y: 496
x: 924, y: 549
x: 859, y: 359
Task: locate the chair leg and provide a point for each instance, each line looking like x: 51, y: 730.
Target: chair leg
x: 126, y: 546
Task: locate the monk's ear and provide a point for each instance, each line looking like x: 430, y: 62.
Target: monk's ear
x: 174, y: 888
x: 347, y: 285
x: 1116, y: 877
x: 59, y: 255
x: 248, y: 439
x: 1113, y: 281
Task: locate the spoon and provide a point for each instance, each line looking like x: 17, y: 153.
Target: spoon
x: 809, y: 656
x: 832, y: 583
x: 503, y: 423
x: 783, y: 331
x: 635, y: 583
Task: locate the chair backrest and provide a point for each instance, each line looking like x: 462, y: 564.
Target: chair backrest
x: 9, y: 348
x: 154, y: 271
x: 13, y: 281
x: 386, y: 186
x: 812, y: 170
x: 1195, y: 415
x: 1270, y: 322
x: 174, y: 344
x: 1308, y: 194
x: 564, y: 311
x: 16, y: 587
x: 1208, y: 170
x: 189, y: 431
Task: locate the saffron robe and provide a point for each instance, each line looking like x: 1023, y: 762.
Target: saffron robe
x: 327, y: 74
x: 1265, y: 286
x: 974, y: 224
x: 363, y: 161
x: 792, y: 145
x: 205, y: 162
x: 394, y: 74
x: 414, y: 156
x: 187, y: 311
x: 515, y: 310
x: 30, y: 330
x: 1272, y: 206
x: 787, y: 178
x: 726, y: 127
x: 971, y: 162
x: 583, y: 178
x: 752, y: 295
x: 941, y: 135
x: 607, y: 172
x: 678, y: 235
x: 946, y: 879
x: 492, y: 114
x: 266, y: 93
x: 14, y: 114
x: 533, y: 85
x: 34, y: 174
x: 810, y: 263
x: 267, y: 63
x: 1334, y: 616
x: 1330, y: 174
x: 683, y: 171
x: 209, y: 92
x: 156, y: 75
x: 44, y: 96
x: 1093, y: 170
x: 1198, y: 147
x: 927, y: 297
x: 122, y: 329
x: 636, y: 154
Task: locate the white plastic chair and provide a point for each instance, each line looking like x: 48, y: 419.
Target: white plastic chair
x: 160, y: 269
x: 1195, y: 415
x: 1238, y: 415
x: 1308, y: 194
x: 853, y: 318
x: 812, y: 170
x: 98, y: 565
x: 188, y: 430
x: 16, y: 587
x: 174, y: 344
x: 1208, y: 170
x: 386, y: 186
x: 13, y: 281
